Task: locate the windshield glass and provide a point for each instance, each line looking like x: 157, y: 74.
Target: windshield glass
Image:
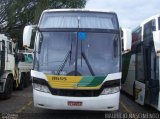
x: 62, y: 53
x: 79, y: 20
x: 28, y: 58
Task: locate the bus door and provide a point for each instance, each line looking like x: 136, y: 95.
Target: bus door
x: 151, y: 76
x: 139, y: 88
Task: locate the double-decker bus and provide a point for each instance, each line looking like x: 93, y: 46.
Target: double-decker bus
x: 140, y: 77
x: 77, y: 60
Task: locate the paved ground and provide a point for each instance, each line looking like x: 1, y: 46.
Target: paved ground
x: 21, y: 106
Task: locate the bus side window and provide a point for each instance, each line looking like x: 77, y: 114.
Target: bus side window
x: 139, y: 64
x: 148, y: 29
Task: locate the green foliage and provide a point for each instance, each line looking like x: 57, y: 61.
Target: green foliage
x: 18, y: 13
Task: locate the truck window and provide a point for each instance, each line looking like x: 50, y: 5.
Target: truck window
x: 9, y: 48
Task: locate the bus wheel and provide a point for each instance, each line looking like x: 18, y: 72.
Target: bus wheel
x: 8, y: 88
x: 22, y: 82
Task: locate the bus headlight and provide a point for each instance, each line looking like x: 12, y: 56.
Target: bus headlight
x: 41, y: 88
x: 112, y: 90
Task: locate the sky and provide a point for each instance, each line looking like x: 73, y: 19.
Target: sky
x: 130, y: 12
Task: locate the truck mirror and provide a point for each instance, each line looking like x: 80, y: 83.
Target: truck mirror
x: 27, y: 34
x: 156, y: 40
x: 126, y: 39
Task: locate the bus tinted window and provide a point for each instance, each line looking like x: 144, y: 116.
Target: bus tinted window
x: 148, y: 28
x: 140, y: 64
x: 136, y: 36
x: 159, y: 23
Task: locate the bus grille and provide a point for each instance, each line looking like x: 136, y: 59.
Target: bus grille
x: 76, y: 93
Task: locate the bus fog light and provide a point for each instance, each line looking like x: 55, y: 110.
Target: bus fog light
x: 41, y: 88
x: 112, y: 90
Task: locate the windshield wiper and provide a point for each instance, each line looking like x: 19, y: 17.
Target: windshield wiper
x: 88, y: 64
x: 69, y: 55
x: 64, y: 62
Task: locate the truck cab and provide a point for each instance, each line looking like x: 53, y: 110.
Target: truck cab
x: 15, y: 67
x: 7, y: 66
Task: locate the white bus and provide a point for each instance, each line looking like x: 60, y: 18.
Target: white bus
x: 140, y: 77
x: 77, y: 60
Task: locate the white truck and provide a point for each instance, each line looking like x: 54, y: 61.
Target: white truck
x: 13, y: 73
x: 25, y: 67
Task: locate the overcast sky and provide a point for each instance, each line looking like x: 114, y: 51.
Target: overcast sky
x: 130, y: 12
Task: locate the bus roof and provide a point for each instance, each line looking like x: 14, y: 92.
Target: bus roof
x: 77, y: 10
x: 145, y: 21
x: 150, y: 18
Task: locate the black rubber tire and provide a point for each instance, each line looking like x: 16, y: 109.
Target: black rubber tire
x: 22, y: 82
x: 8, y: 88
x: 27, y: 79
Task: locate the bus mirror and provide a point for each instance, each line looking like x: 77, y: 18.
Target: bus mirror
x: 27, y: 34
x: 156, y: 40
x: 126, y: 39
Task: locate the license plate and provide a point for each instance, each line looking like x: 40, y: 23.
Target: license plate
x: 71, y: 103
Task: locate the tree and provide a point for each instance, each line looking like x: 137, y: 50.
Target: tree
x: 4, y: 4
x: 18, y: 13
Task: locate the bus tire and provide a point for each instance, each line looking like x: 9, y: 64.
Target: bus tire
x: 8, y: 88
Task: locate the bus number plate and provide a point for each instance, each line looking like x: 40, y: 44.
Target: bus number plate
x: 71, y: 103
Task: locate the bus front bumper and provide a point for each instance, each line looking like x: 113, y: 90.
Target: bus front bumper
x: 101, y: 103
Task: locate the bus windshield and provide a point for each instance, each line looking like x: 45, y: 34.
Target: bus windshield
x: 91, y: 20
x: 63, y: 53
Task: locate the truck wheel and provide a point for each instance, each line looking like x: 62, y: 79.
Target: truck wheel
x: 27, y: 78
x: 22, y: 82
x: 8, y: 88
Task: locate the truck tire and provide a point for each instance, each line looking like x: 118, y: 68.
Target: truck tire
x: 22, y: 82
x: 27, y: 79
x: 8, y: 88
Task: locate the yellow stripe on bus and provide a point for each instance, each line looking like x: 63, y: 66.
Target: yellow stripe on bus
x: 67, y: 82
